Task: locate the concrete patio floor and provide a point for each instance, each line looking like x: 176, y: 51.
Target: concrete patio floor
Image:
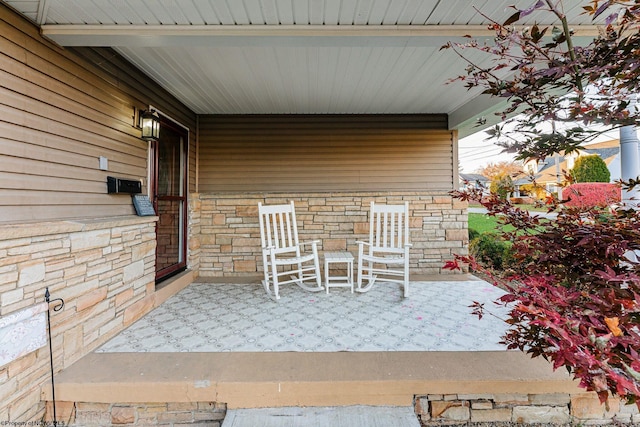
x: 224, y: 317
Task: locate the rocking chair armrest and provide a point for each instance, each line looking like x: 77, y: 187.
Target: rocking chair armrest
x: 406, y: 245
x: 310, y: 242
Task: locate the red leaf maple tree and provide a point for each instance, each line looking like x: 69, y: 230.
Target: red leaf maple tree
x: 573, y: 290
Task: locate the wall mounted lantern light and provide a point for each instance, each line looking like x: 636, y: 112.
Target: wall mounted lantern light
x: 150, y: 124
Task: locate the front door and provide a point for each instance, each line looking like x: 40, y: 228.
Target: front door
x: 170, y: 198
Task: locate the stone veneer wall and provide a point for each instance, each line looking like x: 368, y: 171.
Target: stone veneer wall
x: 202, y: 414
x: 105, y: 272
x: 228, y: 242
x: 521, y: 409
x: 193, y: 230
x: 551, y: 409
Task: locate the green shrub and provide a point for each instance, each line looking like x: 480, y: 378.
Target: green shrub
x: 590, y: 169
x: 490, y: 250
x: 473, y: 234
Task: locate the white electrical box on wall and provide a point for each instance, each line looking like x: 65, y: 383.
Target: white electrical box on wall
x: 104, y: 163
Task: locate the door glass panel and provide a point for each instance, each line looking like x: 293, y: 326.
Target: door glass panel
x: 169, y: 249
x: 170, y: 164
x: 170, y: 200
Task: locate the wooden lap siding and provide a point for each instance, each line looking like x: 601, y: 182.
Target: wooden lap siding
x: 59, y: 112
x: 325, y: 153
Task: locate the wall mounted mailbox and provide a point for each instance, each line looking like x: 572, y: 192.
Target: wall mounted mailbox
x: 143, y: 205
x: 126, y: 186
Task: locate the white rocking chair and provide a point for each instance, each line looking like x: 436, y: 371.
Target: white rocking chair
x: 387, y: 251
x: 281, y: 249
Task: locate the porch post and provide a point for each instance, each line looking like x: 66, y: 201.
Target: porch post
x: 629, y: 163
x: 630, y: 168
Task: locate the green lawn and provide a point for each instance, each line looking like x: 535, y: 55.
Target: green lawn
x: 484, y: 223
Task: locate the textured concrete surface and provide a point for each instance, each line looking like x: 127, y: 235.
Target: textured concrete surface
x: 248, y: 380
x: 348, y: 416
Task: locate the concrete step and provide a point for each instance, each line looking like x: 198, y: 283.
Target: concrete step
x: 345, y: 416
x: 267, y: 380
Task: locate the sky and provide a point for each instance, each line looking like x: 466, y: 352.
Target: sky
x: 474, y: 152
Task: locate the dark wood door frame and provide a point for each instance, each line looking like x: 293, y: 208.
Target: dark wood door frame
x: 168, y: 125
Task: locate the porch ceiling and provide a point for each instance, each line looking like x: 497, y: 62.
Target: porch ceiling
x: 288, y: 56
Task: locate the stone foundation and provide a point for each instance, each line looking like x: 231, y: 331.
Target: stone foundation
x: 104, y: 269
x: 225, y: 239
x: 521, y: 409
x: 553, y: 409
x: 202, y: 414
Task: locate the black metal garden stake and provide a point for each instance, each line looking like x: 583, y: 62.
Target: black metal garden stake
x: 59, y: 306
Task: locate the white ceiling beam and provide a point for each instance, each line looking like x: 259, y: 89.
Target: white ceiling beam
x: 476, y: 114
x: 43, y: 10
x: 234, y: 35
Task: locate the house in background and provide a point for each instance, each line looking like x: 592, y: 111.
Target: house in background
x: 550, y: 172
x: 329, y: 104
x: 474, y: 180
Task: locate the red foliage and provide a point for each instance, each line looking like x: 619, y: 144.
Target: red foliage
x: 573, y: 292
x: 591, y: 194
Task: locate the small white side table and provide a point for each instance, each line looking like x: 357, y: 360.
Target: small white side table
x: 338, y: 281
